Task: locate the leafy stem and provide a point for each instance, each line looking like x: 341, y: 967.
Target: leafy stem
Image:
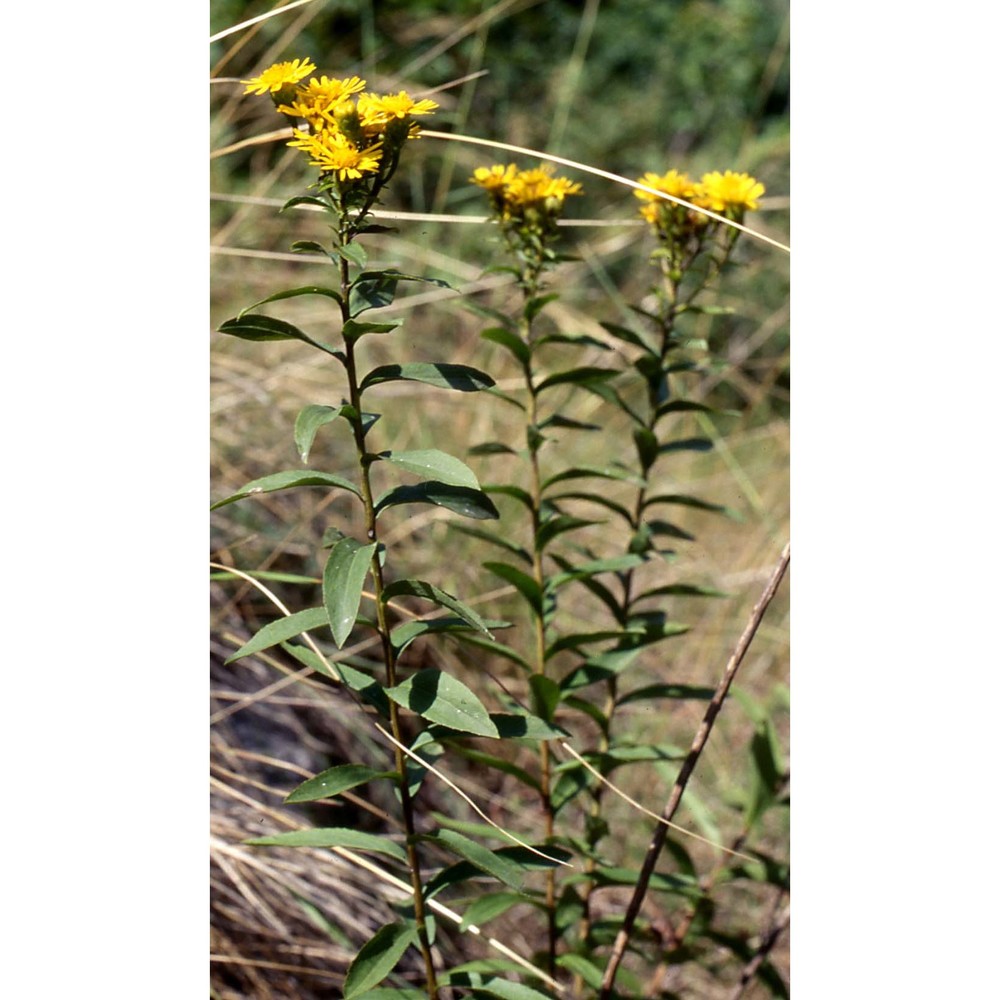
x: 347, y: 229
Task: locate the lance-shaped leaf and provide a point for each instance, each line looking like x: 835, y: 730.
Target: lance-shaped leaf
x: 439, y: 697
x: 375, y: 289
x: 307, y: 199
x: 499, y: 764
x: 356, y: 680
x: 686, y: 444
x: 526, y: 585
x: 509, y: 339
x: 282, y: 630
x: 434, y: 464
x: 353, y: 253
x: 460, y: 499
x: 343, y: 580
x: 402, y: 635
x: 420, y: 588
x: 501, y: 868
x: 485, y: 908
x: 378, y: 958
x: 332, y: 836
x: 494, y: 539
x: 291, y: 293
x: 308, y: 422
x: 559, y: 525
x: 465, y: 870
x: 576, y: 376
x: 335, y: 780
x: 353, y: 330
x: 586, y: 471
x: 289, y: 480
x: 658, y: 691
x: 629, y: 336
x: 256, y: 326
x: 685, y: 500
x: 438, y: 373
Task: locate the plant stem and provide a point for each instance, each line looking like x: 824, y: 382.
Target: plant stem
x: 388, y: 652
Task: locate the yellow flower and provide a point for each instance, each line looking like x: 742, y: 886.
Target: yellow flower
x: 672, y: 182
x: 278, y: 76
x: 333, y: 153
x: 494, y: 178
x: 375, y: 110
x: 318, y: 100
x: 719, y: 192
x: 539, y: 188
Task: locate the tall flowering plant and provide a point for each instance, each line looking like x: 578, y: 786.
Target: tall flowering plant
x: 354, y: 140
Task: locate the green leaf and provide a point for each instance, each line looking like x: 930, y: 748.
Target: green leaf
x: 629, y: 336
x: 420, y: 588
x: 353, y: 253
x: 690, y: 501
x: 682, y: 406
x: 434, y: 464
x: 520, y: 725
x: 484, y: 908
x: 494, y: 539
x: 353, y: 330
x: 343, y: 580
x: 507, y: 989
x: 510, y: 340
x: 583, y: 968
x: 377, y: 958
x: 335, y: 780
x: 537, y: 303
x: 441, y: 374
x: 332, y: 837
x: 306, y: 199
x: 585, y: 471
x: 356, y: 680
x: 282, y: 630
x: 258, y: 327
x: 646, y: 445
x: 686, y: 444
x: 375, y: 289
x: 308, y: 422
x: 657, y: 691
x: 311, y: 246
x: 491, y: 448
x: 290, y: 294
x: 287, y: 480
x: 515, y: 492
x: 402, y: 635
x: 559, y: 525
x: 545, y: 696
x: 576, y: 376
x: 499, y: 649
x: 501, y: 868
x: 439, y: 697
x: 527, y: 586
x: 499, y: 764
x: 460, y: 499
x: 679, y: 590
x: 558, y: 420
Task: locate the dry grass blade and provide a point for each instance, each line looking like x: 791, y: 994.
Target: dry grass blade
x: 256, y: 20
x: 451, y: 784
x: 649, y: 812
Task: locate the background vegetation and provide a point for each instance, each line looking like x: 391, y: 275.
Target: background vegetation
x: 695, y: 85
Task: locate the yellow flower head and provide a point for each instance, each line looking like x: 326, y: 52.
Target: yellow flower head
x: 318, y: 100
x: 375, y: 110
x: 494, y: 178
x: 279, y: 76
x: 538, y: 188
x: 728, y: 191
x: 672, y: 182
x: 332, y: 152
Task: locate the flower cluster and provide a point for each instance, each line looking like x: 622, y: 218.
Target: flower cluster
x: 350, y: 135
x: 684, y: 233
x: 527, y: 204
x: 519, y: 196
x: 728, y: 194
